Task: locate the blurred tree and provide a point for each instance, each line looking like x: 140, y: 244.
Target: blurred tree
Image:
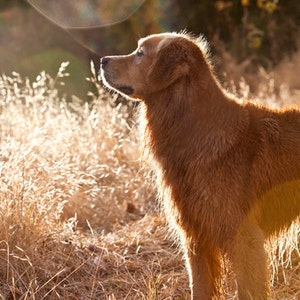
x: 266, y: 30
x: 7, y: 3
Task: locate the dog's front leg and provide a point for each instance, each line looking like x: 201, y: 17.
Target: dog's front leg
x: 203, y: 269
x: 250, y: 262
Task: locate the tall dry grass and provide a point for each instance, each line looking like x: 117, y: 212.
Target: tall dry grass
x: 77, y: 212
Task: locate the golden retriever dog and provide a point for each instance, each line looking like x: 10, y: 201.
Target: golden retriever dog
x: 228, y: 174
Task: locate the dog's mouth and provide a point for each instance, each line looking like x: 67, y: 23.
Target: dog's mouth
x: 126, y: 90
x: 106, y: 78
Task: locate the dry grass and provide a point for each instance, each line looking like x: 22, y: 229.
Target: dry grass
x: 77, y: 213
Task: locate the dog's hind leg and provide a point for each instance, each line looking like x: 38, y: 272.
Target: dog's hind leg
x: 250, y: 262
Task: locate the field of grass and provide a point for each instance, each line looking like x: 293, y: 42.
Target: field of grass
x: 78, y: 215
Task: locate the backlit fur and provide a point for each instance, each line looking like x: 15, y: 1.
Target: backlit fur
x: 228, y: 174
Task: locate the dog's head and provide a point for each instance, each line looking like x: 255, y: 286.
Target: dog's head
x: 160, y: 60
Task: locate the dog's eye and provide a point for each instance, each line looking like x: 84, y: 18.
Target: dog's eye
x: 140, y: 51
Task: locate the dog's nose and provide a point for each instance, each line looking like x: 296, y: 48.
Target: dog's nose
x: 104, y: 60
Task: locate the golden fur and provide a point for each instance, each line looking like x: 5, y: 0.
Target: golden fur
x: 228, y: 174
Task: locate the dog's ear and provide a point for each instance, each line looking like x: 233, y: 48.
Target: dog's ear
x: 170, y: 63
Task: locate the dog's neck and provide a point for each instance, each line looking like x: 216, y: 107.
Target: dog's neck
x: 189, y: 110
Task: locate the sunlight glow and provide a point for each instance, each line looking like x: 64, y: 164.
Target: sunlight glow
x: 86, y: 14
